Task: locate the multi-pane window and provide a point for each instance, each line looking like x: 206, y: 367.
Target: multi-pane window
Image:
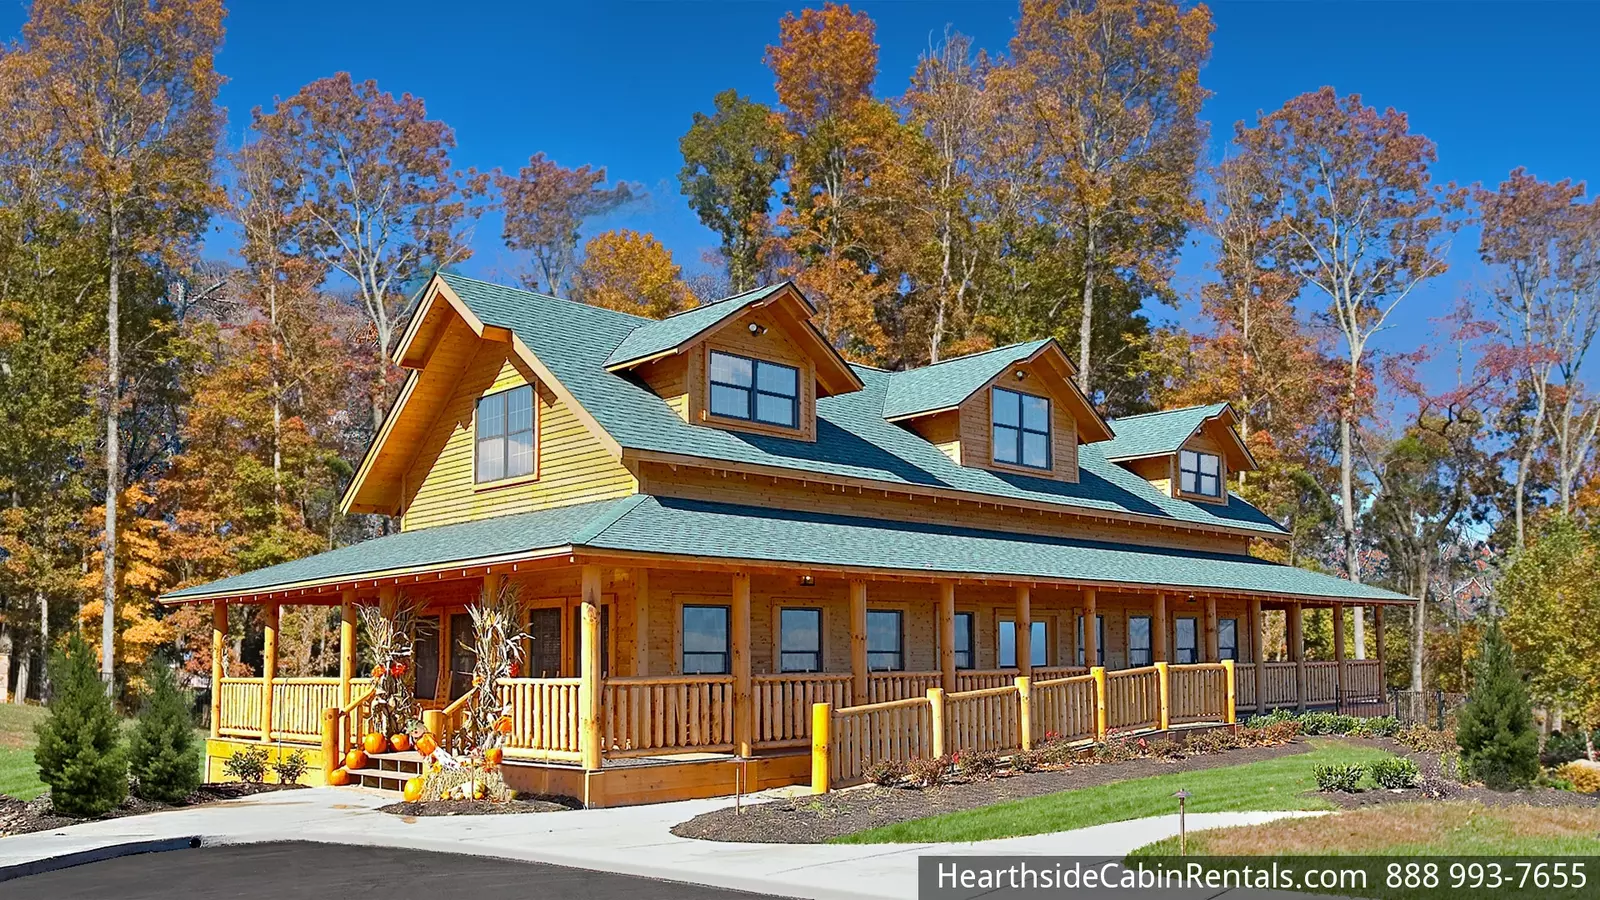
x: 1138, y: 641
x: 1038, y: 646
x: 755, y: 390
x: 964, y: 640
x: 505, y: 434
x: 705, y: 640
x: 800, y: 640
x: 1199, y: 473
x: 1228, y: 639
x: 1099, y: 641
x: 1187, y: 645
x: 425, y: 658
x: 885, y: 641
x: 1021, y: 428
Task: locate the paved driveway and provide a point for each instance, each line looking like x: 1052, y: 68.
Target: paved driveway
x: 291, y: 871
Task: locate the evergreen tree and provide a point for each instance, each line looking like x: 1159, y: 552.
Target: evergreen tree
x: 1499, y: 744
x: 164, y: 757
x: 80, y: 754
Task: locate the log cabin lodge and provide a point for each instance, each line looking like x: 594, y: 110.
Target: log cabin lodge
x: 746, y: 562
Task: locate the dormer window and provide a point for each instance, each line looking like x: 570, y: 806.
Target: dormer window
x: 1199, y: 473
x: 1021, y: 424
x: 505, y: 435
x: 754, y: 390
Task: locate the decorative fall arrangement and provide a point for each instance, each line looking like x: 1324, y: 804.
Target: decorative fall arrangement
x: 389, y: 631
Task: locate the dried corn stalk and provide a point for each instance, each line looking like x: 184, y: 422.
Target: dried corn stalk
x: 388, y: 631
x: 497, y: 638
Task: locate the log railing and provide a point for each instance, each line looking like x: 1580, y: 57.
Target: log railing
x: 782, y: 705
x: 646, y: 715
x: 1280, y: 684
x: 1322, y: 682
x: 848, y: 743
x: 1245, y: 685
x: 239, y: 714
x: 883, y: 687
x: 544, y: 717
x: 1056, y: 673
x: 297, y: 707
x: 1363, y: 679
x: 1064, y: 708
x: 1133, y: 699
x: 984, y: 721
x: 980, y: 679
x: 1197, y: 693
x: 342, y: 726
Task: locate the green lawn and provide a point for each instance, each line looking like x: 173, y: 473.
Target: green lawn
x: 1269, y: 785
x: 18, y: 777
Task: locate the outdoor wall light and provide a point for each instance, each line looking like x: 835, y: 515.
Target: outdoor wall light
x: 807, y: 581
x: 1021, y: 374
x: 757, y: 329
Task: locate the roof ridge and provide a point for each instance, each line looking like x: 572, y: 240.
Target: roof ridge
x: 973, y: 355
x: 1165, y: 412
x: 543, y: 296
x: 730, y: 297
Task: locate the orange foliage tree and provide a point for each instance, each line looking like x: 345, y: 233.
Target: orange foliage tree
x: 632, y: 272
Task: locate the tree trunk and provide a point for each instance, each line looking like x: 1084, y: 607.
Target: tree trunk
x: 1419, y: 623
x: 1086, y: 319
x: 1347, y: 511
x: 44, y: 647
x: 23, y: 674
x: 108, y: 544
x: 5, y: 663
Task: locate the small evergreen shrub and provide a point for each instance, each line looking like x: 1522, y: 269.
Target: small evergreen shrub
x: 1564, y: 747
x: 249, y: 764
x: 1345, y: 778
x: 1394, y: 772
x: 290, y: 768
x: 1499, y: 744
x: 163, y: 756
x: 1584, y: 779
x: 80, y: 753
x: 887, y: 773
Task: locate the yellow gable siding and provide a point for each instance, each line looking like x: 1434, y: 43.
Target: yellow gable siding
x: 572, y: 466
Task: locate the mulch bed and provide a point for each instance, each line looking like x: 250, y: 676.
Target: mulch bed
x: 479, y: 807
x: 816, y: 819
x: 1437, y: 789
x: 28, y: 816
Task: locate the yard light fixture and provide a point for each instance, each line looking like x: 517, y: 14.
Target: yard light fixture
x: 757, y: 329
x: 807, y: 581
x: 1183, y: 831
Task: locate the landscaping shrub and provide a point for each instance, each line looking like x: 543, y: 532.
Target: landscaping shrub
x: 1424, y: 739
x: 1057, y: 752
x: 1345, y: 778
x: 1377, y: 726
x: 80, y: 754
x: 1271, y: 718
x: 887, y: 773
x: 1163, y: 747
x: 1394, y: 772
x: 1030, y: 760
x: 290, y: 768
x: 931, y: 772
x: 1564, y: 747
x: 1116, y: 748
x: 1215, y: 740
x: 980, y: 764
x: 163, y: 756
x: 1499, y: 744
x: 249, y: 764
x: 1584, y: 779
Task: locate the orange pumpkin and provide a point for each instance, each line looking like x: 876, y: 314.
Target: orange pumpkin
x: 355, y: 759
x: 400, y: 742
x: 426, y: 745
x: 375, y: 743
x: 339, y: 777
x: 493, y: 756
x: 413, y: 790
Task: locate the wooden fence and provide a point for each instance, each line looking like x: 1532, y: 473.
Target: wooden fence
x: 1280, y: 684
x: 988, y: 720
x: 782, y: 705
x: 1065, y: 708
x: 1133, y: 699
x: 298, y: 705
x: 1363, y: 679
x: 544, y: 717
x: 240, y: 708
x: 654, y: 714
x: 1197, y: 693
x: 978, y: 679
x: 857, y: 738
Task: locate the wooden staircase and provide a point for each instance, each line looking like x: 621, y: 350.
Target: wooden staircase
x: 389, y: 771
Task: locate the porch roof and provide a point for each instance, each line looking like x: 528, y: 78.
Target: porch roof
x: 644, y: 524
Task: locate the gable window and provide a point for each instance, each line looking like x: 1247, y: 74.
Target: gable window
x: 1021, y: 428
x: 1187, y: 644
x: 1227, y: 639
x: 964, y: 640
x: 1199, y: 473
x: 1138, y: 641
x: 885, y: 641
x: 505, y: 434
x: 754, y: 390
x: 800, y: 640
x: 706, y: 650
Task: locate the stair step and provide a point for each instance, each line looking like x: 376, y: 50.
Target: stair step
x: 410, y: 756
x: 382, y: 774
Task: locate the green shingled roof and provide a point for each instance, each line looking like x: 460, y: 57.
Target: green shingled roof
x: 853, y: 439
x: 651, y: 337
x: 1157, y: 433
x: 946, y: 384
x: 648, y: 524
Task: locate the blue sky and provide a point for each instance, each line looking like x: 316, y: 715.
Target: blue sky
x: 1496, y: 85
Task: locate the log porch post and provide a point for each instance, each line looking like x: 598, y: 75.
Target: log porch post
x: 1158, y: 630
x: 1338, y: 651
x: 947, y: 635
x: 347, y: 645
x: 1258, y: 650
x: 269, y: 665
x: 589, y: 687
x: 1024, y: 629
x: 859, y: 687
x: 1377, y: 637
x: 739, y: 662
x: 219, y: 637
x: 1297, y: 651
x: 1213, y: 648
x: 1091, y: 630
x: 641, y: 621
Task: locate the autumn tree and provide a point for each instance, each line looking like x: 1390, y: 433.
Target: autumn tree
x: 376, y: 197
x: 1364, y: 225
x: 545, y: 205
x: 731, y: 162
x: 632, y: 272
x: 133, y: 87
x: 1109, y: 94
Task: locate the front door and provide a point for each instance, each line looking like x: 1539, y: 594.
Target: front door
x: 463, y: 659
x: 544, y: 642
x: 425, y: 658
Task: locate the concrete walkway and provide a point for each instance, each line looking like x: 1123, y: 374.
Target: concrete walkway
x: 633, y: 840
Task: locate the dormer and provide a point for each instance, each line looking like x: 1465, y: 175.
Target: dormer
x: 752, y: 362
x: 1186, y: 453
x: 1014, y: 410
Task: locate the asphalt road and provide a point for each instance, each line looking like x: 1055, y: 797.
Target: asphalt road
x: 331, y: 872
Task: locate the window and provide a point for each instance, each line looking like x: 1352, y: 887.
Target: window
x: 755, y: 390
x: 885, y: 641
x: 1138, y: 641
x: 800, y: 640
x: 1199, y: 473
x: 964, y: 640
x: 1227, y: 639
x: 1187, y: 647
x: 1021, y: 428
x: 425, y: 658
x: 1038, y: 646
x: 1099, y: 641
x: 705, y: 640
x: 544, y: 639
x: 463, y: 658
x: 505, y: 434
